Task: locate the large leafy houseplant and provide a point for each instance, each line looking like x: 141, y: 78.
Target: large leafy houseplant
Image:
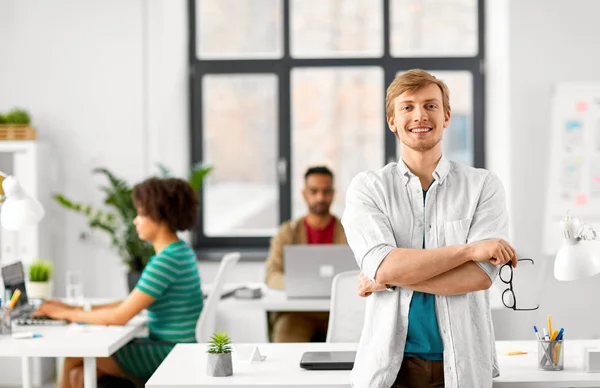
x: 118, y: 222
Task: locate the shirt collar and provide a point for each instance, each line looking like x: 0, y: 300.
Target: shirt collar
x: 439, y: 174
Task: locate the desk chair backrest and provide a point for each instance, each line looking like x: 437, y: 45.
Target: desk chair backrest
x: 205, y: 327
x: 347, y: 313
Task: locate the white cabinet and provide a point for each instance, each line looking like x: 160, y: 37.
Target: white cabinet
x: 28, y: 162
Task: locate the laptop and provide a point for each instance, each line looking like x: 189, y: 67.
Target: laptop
x: 334, y: 360
x: 13, y: 277
x: 310, y: 269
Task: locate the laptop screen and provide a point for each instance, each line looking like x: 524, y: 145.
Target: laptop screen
x: 13, y: 277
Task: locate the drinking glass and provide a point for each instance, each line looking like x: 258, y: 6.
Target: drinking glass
x: 74, y: 288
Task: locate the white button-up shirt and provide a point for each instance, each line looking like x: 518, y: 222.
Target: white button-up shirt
x: 385, y: 210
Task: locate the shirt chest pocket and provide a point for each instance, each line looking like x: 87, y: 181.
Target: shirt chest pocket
x: 456, y: 232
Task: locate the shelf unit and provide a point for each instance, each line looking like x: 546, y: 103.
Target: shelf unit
x: 27, y: 161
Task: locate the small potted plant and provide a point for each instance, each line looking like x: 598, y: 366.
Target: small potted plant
x: 16, y: 125
x: 219, y: 356
x: 40, y: 284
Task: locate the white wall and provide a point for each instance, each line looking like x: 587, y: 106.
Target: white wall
x: 556, y: 41
x: 106, y: 83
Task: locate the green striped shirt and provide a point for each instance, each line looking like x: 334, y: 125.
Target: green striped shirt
x: 171, y: 277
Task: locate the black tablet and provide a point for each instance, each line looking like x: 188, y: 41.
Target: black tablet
x: 334, y: 360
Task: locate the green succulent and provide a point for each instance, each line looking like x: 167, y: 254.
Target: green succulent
x: 17, y: 116
x: 3, y: 119
x: 219, y: 343
x: 40, y: 271
x: 118, y: 221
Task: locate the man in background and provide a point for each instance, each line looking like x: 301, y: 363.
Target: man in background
x: 319, y: 226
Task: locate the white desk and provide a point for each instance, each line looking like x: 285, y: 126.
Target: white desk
x: 521, y: 371
x: 275, y: 300
x: 88, y: 342
x: 245, y: 320
x: 185, y: 366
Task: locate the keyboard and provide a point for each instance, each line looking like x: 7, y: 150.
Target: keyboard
x: 24, y: 318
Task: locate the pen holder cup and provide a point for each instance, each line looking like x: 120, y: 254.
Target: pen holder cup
x: 551, y: 355
x: 5, y: 322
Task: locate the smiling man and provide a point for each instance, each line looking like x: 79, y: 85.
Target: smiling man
x: 429, y: 236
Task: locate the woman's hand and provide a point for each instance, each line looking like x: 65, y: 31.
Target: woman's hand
x: 366, y: 287
x: 58, y: 303
x: 54, y: 311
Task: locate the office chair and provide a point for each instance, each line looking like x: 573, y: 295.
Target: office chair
x: 347, y: 312
x: 205, y: 327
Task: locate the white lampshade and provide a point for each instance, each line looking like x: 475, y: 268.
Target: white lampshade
x: 576, y: 260
x: 19, y: 210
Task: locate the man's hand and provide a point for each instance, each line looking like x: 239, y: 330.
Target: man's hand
x: 497, y: 252
x: 53, y: 311
x: 366, y: 287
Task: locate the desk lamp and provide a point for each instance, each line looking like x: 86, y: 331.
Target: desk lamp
x: 19, y: 209
x: 576, y: 258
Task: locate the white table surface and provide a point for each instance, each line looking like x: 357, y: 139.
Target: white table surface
x: 86, y: 341
x: 521, y: 371
x: 245, y: 320
x: 71, y: 340
x: 185, y: 366
x: 274, y: 300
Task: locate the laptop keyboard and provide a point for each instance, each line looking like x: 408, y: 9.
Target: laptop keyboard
x: 24, y: 318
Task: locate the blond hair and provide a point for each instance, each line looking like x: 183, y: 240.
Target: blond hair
x: 410, y: 81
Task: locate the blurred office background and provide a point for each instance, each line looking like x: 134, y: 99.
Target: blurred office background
x: 127, y: 84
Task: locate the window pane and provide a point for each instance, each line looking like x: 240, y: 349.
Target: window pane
x: 458, y: 137
x: 424, y: 28
x: 336, y: 28
x: 337, y: 121
x: 238, y: 29
x: 241, y: 195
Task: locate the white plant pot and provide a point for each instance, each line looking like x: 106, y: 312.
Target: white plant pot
x: 39, y: 290
x: 219, y: 365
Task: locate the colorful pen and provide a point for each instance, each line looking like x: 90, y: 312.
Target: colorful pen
x: 13, y: 300
x: 550, y: 325
x: 537, y: 333
x: 26, y: 335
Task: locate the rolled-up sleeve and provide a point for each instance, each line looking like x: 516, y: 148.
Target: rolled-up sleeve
x: 368, y: 229
x: 490, y: 220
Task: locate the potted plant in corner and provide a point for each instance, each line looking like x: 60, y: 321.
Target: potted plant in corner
x: 118, y: 222
x: 16, y: 125
x: 40, y: 283
x: 219, y: 362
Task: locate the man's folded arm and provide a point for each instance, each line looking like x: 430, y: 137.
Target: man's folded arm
x: 465, y: 278
x: 371, y: 237
x: 490, y: 221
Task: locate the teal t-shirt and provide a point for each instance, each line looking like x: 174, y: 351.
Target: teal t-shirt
x: 423, y: 339
x: 171, y: 277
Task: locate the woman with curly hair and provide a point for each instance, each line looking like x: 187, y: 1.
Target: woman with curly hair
x: 169, y: 287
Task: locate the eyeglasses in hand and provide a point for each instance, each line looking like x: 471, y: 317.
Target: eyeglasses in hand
x: 508, y: 296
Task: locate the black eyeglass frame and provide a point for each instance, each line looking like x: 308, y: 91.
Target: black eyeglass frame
x: 510, y: 287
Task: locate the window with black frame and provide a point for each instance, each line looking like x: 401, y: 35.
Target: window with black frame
x: 281, y: 85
